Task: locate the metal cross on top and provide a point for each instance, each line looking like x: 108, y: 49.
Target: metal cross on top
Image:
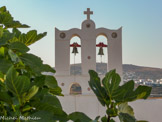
x: 88, y: 12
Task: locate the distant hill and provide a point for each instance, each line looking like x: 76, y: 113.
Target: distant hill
x: 143, y: 72
x: 139, y: 72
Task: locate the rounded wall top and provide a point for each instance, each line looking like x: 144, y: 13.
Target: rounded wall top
x: 88, y: 24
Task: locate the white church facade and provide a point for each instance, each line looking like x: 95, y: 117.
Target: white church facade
x: 85, y: 100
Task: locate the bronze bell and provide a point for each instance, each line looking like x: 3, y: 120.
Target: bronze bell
x: 101, y: 51
x: 75, y: 50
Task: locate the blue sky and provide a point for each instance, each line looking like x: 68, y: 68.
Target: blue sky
x: 141, y: 21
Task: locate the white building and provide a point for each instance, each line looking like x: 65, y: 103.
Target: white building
x: 85, y: 101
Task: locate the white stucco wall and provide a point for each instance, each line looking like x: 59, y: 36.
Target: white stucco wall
x: 150, y: 110
x: 68, y: 80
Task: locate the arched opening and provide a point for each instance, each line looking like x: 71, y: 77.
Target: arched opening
x: 75, y: 89
x: 101, y: 54
x: 75, y: 56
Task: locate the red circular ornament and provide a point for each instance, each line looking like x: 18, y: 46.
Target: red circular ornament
x: 62, y: 84
x: 89, y: 57
x: 88, y: 89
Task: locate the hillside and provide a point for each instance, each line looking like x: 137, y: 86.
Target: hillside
x: 143, y: 72
x: 139, y: 72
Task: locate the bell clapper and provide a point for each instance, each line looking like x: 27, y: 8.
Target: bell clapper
x: 101, y: 58
x: 75, y: 51
x: 74, y: 64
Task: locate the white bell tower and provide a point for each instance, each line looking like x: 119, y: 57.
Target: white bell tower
x: 88, y: 34
x: 85, y: 100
